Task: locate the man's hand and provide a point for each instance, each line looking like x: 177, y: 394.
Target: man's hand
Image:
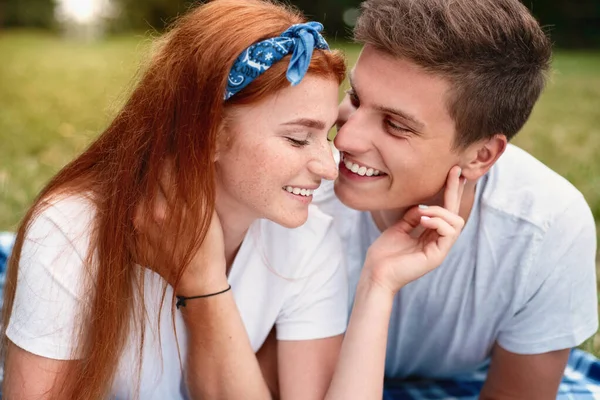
x: 419, y: 242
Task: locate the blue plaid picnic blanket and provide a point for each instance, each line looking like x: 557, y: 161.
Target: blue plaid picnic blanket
x: 6, y: 243
x: 581, y: 380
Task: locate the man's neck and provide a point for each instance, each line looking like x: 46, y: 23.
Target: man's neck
x: 385, y: 218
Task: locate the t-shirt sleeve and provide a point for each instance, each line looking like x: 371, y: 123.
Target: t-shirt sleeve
x: 560, y: 308
x: 319, y: 306
x: 48, y: 300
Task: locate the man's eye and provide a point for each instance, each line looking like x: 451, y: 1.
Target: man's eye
x: 296, y: 142
x: 396, y: 128
x: 353, y: 98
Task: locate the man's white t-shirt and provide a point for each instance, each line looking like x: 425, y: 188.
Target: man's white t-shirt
x: 293, y: 279
x: 522, y: 274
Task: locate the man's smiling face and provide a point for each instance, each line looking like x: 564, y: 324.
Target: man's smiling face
x: 395, y: 134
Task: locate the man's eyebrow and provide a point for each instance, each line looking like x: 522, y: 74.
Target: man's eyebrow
x: 307, y: 122
x: 416, y: 124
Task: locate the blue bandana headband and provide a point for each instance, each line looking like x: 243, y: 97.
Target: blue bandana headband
x: 300, y: 40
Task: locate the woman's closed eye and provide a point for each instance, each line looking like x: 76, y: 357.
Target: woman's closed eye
x: 297, y: 142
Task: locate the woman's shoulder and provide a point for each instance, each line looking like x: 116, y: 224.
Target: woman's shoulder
x: 61, y: 225
x: 68, y: 209
x: 65, y: 212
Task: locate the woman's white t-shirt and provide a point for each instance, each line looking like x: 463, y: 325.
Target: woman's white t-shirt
x: 293, y: 279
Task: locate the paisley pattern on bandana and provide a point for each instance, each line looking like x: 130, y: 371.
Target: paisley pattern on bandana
x: 299, y: 40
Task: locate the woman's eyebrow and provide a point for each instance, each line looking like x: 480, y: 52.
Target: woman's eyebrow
x: 307, y: 122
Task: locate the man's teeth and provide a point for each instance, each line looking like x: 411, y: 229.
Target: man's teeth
x: 298, y: 191
x: 362, y: 171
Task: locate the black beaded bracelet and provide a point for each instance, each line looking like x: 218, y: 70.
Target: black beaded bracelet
x: 181, y: 300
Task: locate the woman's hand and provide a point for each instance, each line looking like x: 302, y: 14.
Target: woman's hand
x: 167, y: 244
x: 419, y: 242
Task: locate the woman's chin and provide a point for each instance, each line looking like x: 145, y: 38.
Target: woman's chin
x: 290, y: 220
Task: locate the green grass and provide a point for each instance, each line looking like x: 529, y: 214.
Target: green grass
x: 56, y: 96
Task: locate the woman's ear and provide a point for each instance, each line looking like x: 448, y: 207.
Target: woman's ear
x: 479, y: 157
x: 223, y: 141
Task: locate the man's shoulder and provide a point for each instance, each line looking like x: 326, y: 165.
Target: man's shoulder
x: 522, y: 188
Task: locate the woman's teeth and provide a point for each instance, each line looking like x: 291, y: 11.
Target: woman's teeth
x: 298, y: 191
x: 362, y: 171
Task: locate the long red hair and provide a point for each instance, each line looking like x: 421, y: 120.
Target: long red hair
x: 175, y: 112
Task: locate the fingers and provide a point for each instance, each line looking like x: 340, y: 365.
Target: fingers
x: 410, y: 220
x: 454, y: 189
x: 442, y: 227
x: 413, y: 218
x: 445, y: 224
x: 452, y: 219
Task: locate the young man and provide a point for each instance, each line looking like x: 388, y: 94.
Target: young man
x: 442, y: 83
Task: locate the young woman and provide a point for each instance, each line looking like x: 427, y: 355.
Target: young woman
x: 157, y: 263
x: 84, y: 320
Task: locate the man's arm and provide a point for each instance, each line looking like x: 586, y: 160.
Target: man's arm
x: 560, y: 311
x: 526, y: 377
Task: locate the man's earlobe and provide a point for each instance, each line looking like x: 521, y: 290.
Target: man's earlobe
x: 482, y: 155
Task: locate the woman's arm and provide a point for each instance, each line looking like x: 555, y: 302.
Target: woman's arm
x: 29, y: 376
x: 306, y: 367
x: 220, y: 362
x: 395, y: 259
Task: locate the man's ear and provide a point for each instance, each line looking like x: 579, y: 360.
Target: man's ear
x: 479, y: 157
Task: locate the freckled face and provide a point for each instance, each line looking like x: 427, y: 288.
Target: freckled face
x: 277, y: 152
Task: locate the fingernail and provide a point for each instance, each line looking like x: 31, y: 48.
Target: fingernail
x: 423, y: 207
x: 424, y: 218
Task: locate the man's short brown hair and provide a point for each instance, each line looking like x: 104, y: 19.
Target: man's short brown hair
x: 493, y: 52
